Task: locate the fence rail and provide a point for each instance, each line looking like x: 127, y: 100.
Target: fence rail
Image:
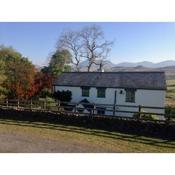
x: 133, y: 112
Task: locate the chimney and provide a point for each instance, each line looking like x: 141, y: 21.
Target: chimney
x: 100, y: 67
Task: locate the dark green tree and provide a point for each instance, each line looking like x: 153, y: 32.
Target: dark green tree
x: 60, y: 62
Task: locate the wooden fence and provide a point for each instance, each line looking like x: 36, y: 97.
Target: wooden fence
x: 93, y: 110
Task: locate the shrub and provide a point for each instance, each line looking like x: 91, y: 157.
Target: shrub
x: 45, y: 93
x: 170, y: 110
x: 65, y: 96
x: 48, y: 102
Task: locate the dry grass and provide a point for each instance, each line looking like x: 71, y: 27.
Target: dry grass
x: 170, y: 97
x: 41, y: 137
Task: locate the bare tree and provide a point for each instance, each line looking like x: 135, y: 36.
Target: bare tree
x: 71, y: 40
x: 95, y: 47
x: 88, y: 43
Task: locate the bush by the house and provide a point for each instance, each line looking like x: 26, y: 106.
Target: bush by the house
x: 45, y: 93
x: 65, y: 96
x: 170, y: 110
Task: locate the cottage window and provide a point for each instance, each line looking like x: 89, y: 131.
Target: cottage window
x: 101, y: 92
x: 130, y: 95
x: 85, y: 91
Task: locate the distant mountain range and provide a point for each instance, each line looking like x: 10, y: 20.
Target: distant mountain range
x: 147, y: 64
x: 107, y: 65
x: 167, y: 66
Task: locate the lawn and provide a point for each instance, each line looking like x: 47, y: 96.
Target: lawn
x: 20, y: 136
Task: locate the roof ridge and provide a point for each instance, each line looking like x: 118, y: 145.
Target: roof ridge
x: 121, y: 72
x: 139, y: 80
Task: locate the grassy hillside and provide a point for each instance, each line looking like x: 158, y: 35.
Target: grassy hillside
x: 170, y: 97
x: 169, y: 71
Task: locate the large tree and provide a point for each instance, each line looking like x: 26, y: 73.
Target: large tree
x: 60, y: 62
x: 2, y: 79
x: 19, y: 73
x: 42, y: 82
x: 8, y: 53
x: 95, y: 47
x: 20, y: 78
x: 72, y: 41
x: 86, y: 44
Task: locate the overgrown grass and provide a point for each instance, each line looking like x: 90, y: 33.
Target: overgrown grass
x: 170, y: 96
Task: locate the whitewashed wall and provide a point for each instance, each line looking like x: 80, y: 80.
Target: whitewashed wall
x: 152, y: 98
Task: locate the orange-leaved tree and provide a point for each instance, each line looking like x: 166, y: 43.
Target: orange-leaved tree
x: 42, y: 81
x: 19, y: 72
x: 20, y: 78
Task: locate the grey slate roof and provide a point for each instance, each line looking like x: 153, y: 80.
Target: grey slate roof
x: 138, y: 80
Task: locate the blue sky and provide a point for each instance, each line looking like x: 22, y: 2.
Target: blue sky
x: 133, y: 41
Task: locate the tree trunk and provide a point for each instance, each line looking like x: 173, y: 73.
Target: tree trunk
x: 89, y: 67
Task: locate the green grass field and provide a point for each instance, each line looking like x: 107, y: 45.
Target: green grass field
x: 170, y: 97
x: 18, y: 136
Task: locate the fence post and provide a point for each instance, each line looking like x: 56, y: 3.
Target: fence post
x: 18, y: 104
x: 58, y: 105
x: 94, y: 109
x: 45, y: 104
x: 140, y: 109
x: 114, y: 110
x: 31, y: 104
x: 7, y: 103
x: 115, y: 100
x: 75, y: 110
x: 91, y: 112
x: 169, y: 117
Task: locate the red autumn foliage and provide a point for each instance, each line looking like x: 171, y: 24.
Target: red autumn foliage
x: 41, y: 81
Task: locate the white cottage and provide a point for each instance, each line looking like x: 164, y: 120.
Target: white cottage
x: 116, y: 88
